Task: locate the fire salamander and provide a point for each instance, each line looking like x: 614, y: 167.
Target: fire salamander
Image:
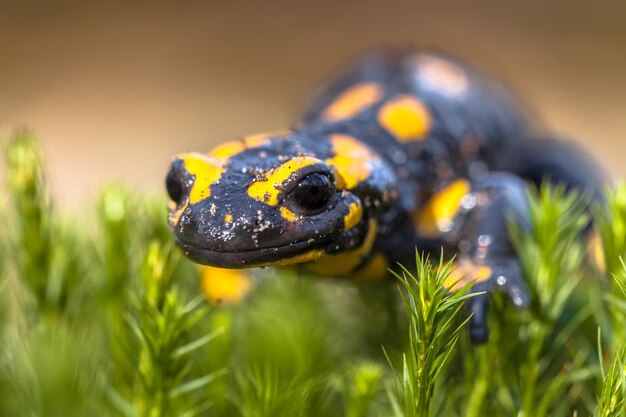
x: 402, y: 149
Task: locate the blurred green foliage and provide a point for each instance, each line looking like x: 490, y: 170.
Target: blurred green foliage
x: 433, y: 333
x: 101, y: 316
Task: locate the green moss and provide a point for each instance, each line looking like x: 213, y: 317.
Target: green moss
x: 101, y: 315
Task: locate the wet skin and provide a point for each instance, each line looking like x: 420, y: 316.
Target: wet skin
x: 402, y: 149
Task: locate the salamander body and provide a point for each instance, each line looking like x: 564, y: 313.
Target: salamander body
x: 402, y: 149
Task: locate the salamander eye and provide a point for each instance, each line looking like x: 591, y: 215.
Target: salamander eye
x: 312, y: 193
x: 174, y: 187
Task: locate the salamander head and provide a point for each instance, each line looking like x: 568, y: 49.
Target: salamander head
x: 264, y: 200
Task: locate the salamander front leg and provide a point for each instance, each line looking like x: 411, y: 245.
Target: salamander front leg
x: 485, y: 250
x: 471, y: 221
x: 503, y: 275
x: 225, y: 286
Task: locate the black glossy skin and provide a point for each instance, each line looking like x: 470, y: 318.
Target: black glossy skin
x: 476, y: 132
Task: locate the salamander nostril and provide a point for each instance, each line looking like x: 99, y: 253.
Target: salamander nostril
x: 174, y: 187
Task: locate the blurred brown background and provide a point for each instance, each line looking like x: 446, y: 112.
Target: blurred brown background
x: 114, y: 89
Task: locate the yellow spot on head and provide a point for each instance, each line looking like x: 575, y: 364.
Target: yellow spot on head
x: 229, y: 149
x: 224, y: 285
x: 354, y: 216
x: 340, y: 182
x: 438, y: 213
x: 343, y: 264
x: 174, y: 214
x: 352, y: 161
x: 252, y: 141
x: 289, y: 215
x: 406, y: 118
x: 442, y: 75
x: 375, y: 269
x: 353, y: 100
x: 268, y: 189
x: 206, y: 171
x: 228, y: 218
x: 309, y: 256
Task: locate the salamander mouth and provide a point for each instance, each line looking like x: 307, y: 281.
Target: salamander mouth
x: 241, y: 243
x: 294, y: 252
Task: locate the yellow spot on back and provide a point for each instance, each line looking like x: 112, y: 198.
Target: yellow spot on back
x: 228, y: 218
x: 354, y: 216
x: 352, y: 161
x: 268, y: 189
x: 464, y: 272
x: 353, y: 100
x: 224, y: 285
x: 206, y: 170
x: 288, y: 214
x: 439, y: 211
x: 406, y: 118
x: 343, y: 264
x: 442, y: 75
